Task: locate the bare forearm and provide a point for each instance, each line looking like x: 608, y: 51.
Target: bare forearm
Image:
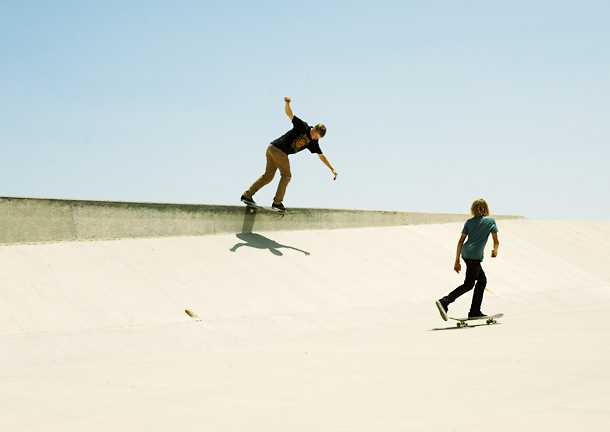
x: 494, y: 252
x: 458, y: 252
x: 458, y: 266
x: 288, y: 109
x: 326, y: 162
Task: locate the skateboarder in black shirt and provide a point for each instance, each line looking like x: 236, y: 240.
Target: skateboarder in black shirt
x: 300, y: 137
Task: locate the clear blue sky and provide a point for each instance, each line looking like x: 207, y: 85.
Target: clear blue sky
x: 429, y: 104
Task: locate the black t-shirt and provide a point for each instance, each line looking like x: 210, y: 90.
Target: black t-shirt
x: 297, y: 139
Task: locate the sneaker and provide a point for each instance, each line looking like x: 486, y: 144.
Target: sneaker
x: 279, y: 207
x: 478, y: 314
x: 247, y: 201
x: 442, y: 308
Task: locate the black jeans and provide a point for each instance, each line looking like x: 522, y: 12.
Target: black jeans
x: 475, y: 277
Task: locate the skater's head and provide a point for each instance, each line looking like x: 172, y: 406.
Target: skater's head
x: 479, y: 208
x: 318, y: 131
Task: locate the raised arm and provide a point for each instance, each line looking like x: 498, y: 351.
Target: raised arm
x: 288, y: 110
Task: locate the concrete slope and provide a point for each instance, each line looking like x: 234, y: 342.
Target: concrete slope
x: 332, y: 330
x: 128, y: 297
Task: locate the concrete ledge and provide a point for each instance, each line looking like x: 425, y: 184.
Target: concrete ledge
x: 40, y: 220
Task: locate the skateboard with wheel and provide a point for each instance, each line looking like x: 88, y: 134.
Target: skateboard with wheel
x: 256, y: 208
x: 490, y: 319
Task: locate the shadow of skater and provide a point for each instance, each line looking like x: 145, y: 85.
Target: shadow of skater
x: 258, y: 241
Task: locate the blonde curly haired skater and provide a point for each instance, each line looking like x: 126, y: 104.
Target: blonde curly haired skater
x: 479, y: 208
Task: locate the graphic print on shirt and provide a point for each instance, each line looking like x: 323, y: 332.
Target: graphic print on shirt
x: 299, y: 143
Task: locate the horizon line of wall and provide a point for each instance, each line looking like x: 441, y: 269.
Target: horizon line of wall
x: 48, y: 220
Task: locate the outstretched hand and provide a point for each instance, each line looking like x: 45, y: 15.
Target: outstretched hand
x: 287, y: 100
x: 336, y: 174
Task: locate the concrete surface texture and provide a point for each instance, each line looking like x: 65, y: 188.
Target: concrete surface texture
x: 40, y: 220
x: 327, y: 330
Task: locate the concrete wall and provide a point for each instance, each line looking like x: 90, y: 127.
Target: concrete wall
x: 40, y: 220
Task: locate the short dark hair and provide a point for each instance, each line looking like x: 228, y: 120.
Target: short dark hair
x: 321, y: 129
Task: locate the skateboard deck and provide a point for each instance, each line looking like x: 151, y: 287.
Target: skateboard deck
x: 256, y: 208
x: 490, y: 319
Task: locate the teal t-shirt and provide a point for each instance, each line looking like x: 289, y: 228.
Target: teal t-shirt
x: 478, y: 230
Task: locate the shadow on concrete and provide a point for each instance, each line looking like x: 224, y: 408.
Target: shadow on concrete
x: 451, y: 328
x: 469, y: 326
x: 258, y: 241
x: 249, y: 219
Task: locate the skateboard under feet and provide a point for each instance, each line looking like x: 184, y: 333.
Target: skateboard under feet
x: 281, y: 213
x: 489, y: 319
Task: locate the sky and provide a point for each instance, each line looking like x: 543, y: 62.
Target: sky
x: 429, y: 105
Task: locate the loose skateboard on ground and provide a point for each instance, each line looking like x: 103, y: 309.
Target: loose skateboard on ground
x: 256, y: 208
x: 491, y: 319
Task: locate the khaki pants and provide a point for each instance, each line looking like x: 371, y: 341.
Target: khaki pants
x: 276, y: 159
